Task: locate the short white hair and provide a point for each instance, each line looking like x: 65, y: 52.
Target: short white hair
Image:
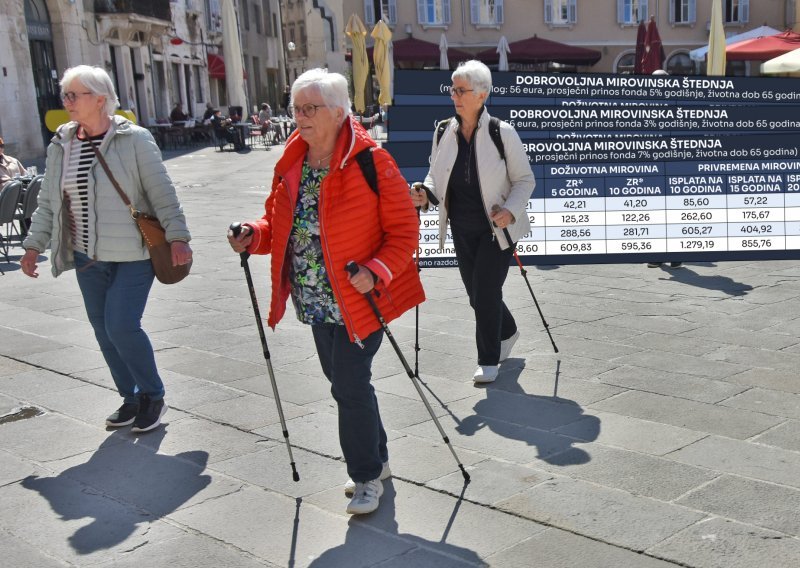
x: 476, y: 73
x: 95, y: 79
x: 331, y: 86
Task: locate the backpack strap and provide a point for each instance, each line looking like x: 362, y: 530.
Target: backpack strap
x: 367, y: 164
x: 494, y: 133
x: 440, y: 128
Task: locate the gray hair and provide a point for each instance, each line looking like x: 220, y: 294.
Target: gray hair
x: 331, y: 86
x: 96, y: 80
x: 476, y: 74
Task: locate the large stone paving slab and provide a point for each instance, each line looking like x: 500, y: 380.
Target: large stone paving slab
x: 722, y: 543
x: 600, y: 513
x: 65, y: 519
x: 491, y: 480
x: 710, y: 418
x: 638, y: 474
x: 279, y: 529
x: 745, y: 500
x: 743, y: 458
x: 435, y: 521
x: 555, y: 548
x: 631, y: 433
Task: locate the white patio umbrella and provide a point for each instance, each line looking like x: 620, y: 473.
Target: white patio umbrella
x: 503, y: 50
x: 234, y: 73
x: 443, y: 61
x: 786, y: 63
x: 699, y: 54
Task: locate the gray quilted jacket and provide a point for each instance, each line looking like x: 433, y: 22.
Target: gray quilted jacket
x: 135, y: 161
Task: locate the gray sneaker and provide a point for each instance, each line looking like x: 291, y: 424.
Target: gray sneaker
x: 350, y: 485
x: 366, y: 497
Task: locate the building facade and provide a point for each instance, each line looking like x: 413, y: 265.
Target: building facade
x: 158, y: 52
x: 314, y: 36
x: 608, y: 26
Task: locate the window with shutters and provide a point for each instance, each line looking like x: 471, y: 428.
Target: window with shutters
x: 388, y: 12
x: 433, y: 12
x: 682, y: 11
x: 631, y: 12
x: 737, y: 11
x: 560, y: 12
x: 486, y: 12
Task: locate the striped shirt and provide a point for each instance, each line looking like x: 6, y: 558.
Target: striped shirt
x: 76, y: 190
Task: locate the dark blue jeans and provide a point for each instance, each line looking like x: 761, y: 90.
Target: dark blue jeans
x: 484, y: 267
x: 115, y: 294
x: 348, y: 368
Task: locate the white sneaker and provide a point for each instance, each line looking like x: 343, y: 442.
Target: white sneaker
x: 507, y: 345
x: 350, y: 485
x: 485, y: 374
x: 365, y: 497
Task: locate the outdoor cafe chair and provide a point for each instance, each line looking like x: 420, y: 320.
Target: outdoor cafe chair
x: 30, y: 200
x: 9, y: 200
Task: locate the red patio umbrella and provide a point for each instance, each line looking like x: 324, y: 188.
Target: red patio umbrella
x: 637, y: 58
x: 763, y: 48
x: 539, y: 50
x: 653, y: 57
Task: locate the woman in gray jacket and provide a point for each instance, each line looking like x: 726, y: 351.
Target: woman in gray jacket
x: 90, y: 228
x: 485, y: 199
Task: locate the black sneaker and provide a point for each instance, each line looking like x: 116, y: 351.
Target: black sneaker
x: 654, y: 264
x: 675, y: 264
x: 149, y: 415
x: 123, y: 416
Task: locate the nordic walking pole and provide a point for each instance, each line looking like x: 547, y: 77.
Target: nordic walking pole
x: 524, y: 273
x: 352, y: 268
x: 525, y: 276
x: 432, y: 199
x: 236, y: 229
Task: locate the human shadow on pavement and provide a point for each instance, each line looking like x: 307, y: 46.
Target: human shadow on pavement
x: 123, y: 484
x: 375, y: 538
x: 511, y: 412
x: 716, y: 282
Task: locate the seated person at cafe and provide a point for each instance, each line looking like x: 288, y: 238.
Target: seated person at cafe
x: 9, y: 167
x: 209, y: 111
x: 177, y: 114
x: 223, y: 129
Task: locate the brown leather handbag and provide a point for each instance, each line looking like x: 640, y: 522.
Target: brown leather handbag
x: 152, y: 233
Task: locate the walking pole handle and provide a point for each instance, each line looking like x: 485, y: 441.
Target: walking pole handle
x: 236, y: 228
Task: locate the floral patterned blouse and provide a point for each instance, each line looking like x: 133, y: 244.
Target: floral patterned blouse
x: 312, y: 295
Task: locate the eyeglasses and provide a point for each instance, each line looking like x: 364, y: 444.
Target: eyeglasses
x: 307, y: 110
x: 71, y: 96
x: 459, y: 91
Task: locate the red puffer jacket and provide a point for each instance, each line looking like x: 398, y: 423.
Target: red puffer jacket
x: 355, y: 225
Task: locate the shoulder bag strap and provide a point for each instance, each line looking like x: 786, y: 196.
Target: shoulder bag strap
x: 134, y: 212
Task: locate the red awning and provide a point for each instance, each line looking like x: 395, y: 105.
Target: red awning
x: 763, y: 48
x: 410, y: 50
x: 539, y: 50
x: 216, y: 67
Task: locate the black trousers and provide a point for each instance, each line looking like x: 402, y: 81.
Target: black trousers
x: 484, y: 267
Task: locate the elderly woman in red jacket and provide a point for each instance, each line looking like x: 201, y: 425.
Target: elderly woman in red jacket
x: 320, y: 215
